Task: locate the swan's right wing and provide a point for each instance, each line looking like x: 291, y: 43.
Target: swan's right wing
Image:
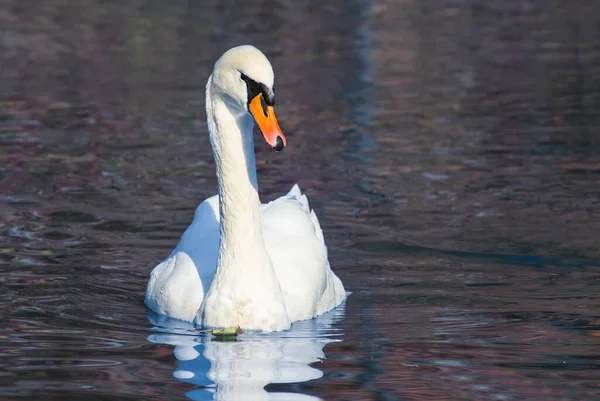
x: 177, y: 285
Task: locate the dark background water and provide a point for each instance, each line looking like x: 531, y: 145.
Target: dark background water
x: 450, y: 149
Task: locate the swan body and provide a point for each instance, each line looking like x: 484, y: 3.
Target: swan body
x: 240, y: 262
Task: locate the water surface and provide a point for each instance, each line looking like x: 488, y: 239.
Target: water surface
x: 449, y: 148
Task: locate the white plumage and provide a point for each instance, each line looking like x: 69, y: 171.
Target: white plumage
x: 259, y: 266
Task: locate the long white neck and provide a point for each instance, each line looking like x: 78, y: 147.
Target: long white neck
x: 231, y: 138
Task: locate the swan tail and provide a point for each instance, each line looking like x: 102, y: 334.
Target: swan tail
x: 295, y: 192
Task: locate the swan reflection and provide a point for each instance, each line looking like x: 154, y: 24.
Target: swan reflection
x: 240, y: 370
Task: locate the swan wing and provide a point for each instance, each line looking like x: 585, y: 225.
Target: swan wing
x: 177, y: 285
x: 295, y: 244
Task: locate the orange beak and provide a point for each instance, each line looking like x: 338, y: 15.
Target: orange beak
x: 267, y: 122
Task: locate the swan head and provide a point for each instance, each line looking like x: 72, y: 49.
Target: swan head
x: 244, y: 78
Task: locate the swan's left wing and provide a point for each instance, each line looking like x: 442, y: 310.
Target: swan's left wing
x: 295, y: 243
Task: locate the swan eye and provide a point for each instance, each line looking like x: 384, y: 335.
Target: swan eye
x: 254, y: 88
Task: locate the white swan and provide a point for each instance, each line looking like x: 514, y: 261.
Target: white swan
x: 241, y: 262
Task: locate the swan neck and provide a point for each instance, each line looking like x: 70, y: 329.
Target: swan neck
x: 233, y: 147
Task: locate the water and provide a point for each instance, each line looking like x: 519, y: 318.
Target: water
x: 449, y: 149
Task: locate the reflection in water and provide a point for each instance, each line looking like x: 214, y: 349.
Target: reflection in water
x: 241, y: 369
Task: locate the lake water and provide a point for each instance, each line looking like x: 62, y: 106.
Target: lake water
x: 450, y: 149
